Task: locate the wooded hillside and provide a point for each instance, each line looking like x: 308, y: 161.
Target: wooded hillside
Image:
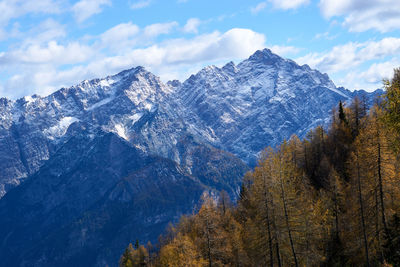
x: 332, y: 199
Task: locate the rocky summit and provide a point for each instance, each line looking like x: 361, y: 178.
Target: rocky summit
x: 88, y: 169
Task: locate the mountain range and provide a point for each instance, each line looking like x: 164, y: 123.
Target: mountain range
x: 90, y: 168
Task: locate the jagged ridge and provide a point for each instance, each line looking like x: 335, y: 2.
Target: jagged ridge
x: 96, y: 153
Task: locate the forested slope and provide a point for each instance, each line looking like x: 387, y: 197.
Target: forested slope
x: 332, y: 199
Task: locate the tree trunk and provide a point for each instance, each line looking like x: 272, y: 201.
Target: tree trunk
x: 336, y: 213
x: 287, y: 225
x: 362, y: 211
x: 208, y: 242
x: 277, y: 250
x: 271, y: 257
x: 377, y: 230
x: 381, y: 187
x: 286, y: 215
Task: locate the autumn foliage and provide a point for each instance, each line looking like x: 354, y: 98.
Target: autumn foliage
x: 332, y: 199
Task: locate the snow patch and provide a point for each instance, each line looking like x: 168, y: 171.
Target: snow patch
x: 276, y: 98
x: 148, y: 106
x: 29, y: 99
x: 120, y: 130
x: 226, y: 118
x: 101, y: 103
x: 60, y: 128
x: 135, y: 117
x: 108, y: 82
x: 338, y: 92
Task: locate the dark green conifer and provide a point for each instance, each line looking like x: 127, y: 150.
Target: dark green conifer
x: 126, y: 258
x: 342, y: 115
x: 392, y: 245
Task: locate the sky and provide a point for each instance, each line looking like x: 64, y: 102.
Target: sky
x: 49, y: 44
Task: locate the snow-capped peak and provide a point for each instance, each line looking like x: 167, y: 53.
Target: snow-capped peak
x: 239, y: 108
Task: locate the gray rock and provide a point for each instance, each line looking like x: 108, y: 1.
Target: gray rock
x: 88, y: 169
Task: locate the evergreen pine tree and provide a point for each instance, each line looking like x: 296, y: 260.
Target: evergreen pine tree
x: 342, y: 115
x: 392, y: 245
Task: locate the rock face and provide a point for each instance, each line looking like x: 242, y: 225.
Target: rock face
x: 259, y: 102
x: 93, y: 197
x: 113, y: 160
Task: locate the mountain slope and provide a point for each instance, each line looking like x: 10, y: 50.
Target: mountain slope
x: 259, y: 102
x: 238, y: 108
x: 113, y: 160
x: 127, y: 104
x: 82, y: 210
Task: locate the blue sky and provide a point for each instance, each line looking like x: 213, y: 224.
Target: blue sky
x: 49, y: 44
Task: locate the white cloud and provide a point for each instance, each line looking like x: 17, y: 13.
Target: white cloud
x: 140, y: 4
x: 52, y: 53
x: 42, y: 66
x: 192, y: 25
x: 235, y: 43
x: 339, y: 58
x: 378, y: 71
x: 156, y: 29
x: 289, y: 4
x: 350, y: 55
x: 363, y: 15
x: 284, y: 50
x: 120, y: 37
x: 123, y: 37
x: 3, y: 34
x: 46, y: 31
x: 332, y: 8
x: 11, y: 9
x: 175, y: 53
x: 326, y: 36
x: 258, y: 7
x: 345, y: 63
x: 279, y: 4
x: 84, y: 9
x: 42, y: 80
x: 371, y: 78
